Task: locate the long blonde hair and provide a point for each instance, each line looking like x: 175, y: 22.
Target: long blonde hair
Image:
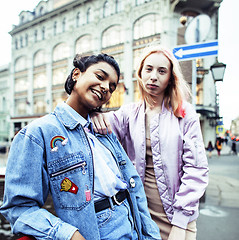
x: 177, y: 90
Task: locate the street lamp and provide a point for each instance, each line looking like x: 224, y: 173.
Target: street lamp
x: 218, y: 70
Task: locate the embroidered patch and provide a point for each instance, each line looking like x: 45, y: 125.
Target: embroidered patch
x: 63, y: 140
x: 68, y: 186
x: 87, y: 195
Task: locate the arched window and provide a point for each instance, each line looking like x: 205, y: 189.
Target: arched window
x: 64, y: 25
x: 43, y: 33
x: 148, y: 25
x: 61, y: 51
x: 78, y: 19
x: 89, y: 17
x: 16, y: 44
x: 22, y: 19
x: 21, y: 64
x: 84, y: 44
x: 26, y: 39
x: 4, y: 104
x: 35, y: 36
x: 118, y: 6
x: 41, y: 11
x: 39, y: 58
x: 21, y: 42
x: 112, y: 36
x: 106, y: 9
x: 55, y: 28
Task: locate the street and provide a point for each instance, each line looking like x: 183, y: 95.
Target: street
x: 219, y: 214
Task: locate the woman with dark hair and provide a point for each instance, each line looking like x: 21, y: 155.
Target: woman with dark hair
x: 96, y: 191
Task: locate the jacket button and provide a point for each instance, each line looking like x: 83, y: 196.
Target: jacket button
x: 132, y: 182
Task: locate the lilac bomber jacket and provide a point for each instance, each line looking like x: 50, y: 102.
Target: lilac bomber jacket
x: 180, y: 162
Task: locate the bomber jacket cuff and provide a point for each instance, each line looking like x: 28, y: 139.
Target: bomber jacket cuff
x: 180, y: 220
x: 64, y: 231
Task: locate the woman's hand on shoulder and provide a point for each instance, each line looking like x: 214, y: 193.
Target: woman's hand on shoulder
x: 77, y: 236
x: 100, y: 123
x: 177, y: 233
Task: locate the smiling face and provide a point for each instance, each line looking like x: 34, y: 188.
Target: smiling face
x: 93, y: 87
x: 155, y: 74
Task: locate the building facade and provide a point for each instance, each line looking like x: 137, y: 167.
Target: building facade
x: 46, y: 40
x: 4, y: 104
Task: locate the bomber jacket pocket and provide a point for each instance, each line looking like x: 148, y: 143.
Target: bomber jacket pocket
x: 69, y: 179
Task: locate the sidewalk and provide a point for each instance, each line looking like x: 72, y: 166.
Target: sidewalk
x: 219, y: 213
x: 223, y: 188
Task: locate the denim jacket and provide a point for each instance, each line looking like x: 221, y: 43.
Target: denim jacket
x: 46, y: 152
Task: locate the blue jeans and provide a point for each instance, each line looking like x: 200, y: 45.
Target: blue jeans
x: 116, y: 223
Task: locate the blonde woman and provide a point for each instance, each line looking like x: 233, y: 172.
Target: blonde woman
x: 162, y: 137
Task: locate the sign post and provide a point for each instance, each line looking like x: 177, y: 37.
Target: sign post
x: 198, y: 50
x: 192, y: 52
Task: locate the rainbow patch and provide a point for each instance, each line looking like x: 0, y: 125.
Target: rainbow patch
x: 55, y: 139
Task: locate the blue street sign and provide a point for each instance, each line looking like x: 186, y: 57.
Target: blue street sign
x: 198, y: 50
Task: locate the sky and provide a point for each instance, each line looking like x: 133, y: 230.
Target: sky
x: 228, y: 49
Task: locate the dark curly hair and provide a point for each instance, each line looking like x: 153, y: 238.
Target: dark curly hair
x: 83, y: 62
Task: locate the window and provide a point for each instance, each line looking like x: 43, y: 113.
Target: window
x: 78, y: 19
x: 118, y: 6
x: 58, y: 97
x: 21, y: 42
x: 39, y: 80
x: 35, y: 36
x: 106, y: 9
x: 64, y: 25
x: 21, y: 64
x: 41, y: 11
x: 39, y: 58
x: 43, y: 33
x: 21, y: 84
x: 89, y: 16
x: 55, y: 28
x: 22, y: 19
x: 39, y: 104
x: 26, y: 39
x: 16, y: 44
x: 84, y: 44
x: 136, y: 56
x: 148, y: 25
x: 112, y: 36
x: 117, y: 98
x: 21, y: 106
x: 4, y: 104
x: 59, y: 75
x: 61, y: 51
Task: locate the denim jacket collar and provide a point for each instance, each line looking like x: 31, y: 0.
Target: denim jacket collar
x: 69, y: 117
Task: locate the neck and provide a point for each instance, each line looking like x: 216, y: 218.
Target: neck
x: 77, y: 107
x: 156, y: 104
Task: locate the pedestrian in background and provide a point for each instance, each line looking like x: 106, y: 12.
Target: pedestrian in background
x: 234, y: 147
x: 218, y: 146
x: 210, y: 148
x: 96, y: 191
x: 162, y: 137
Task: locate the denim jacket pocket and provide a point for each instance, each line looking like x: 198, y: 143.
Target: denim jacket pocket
x: 69, y: 177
